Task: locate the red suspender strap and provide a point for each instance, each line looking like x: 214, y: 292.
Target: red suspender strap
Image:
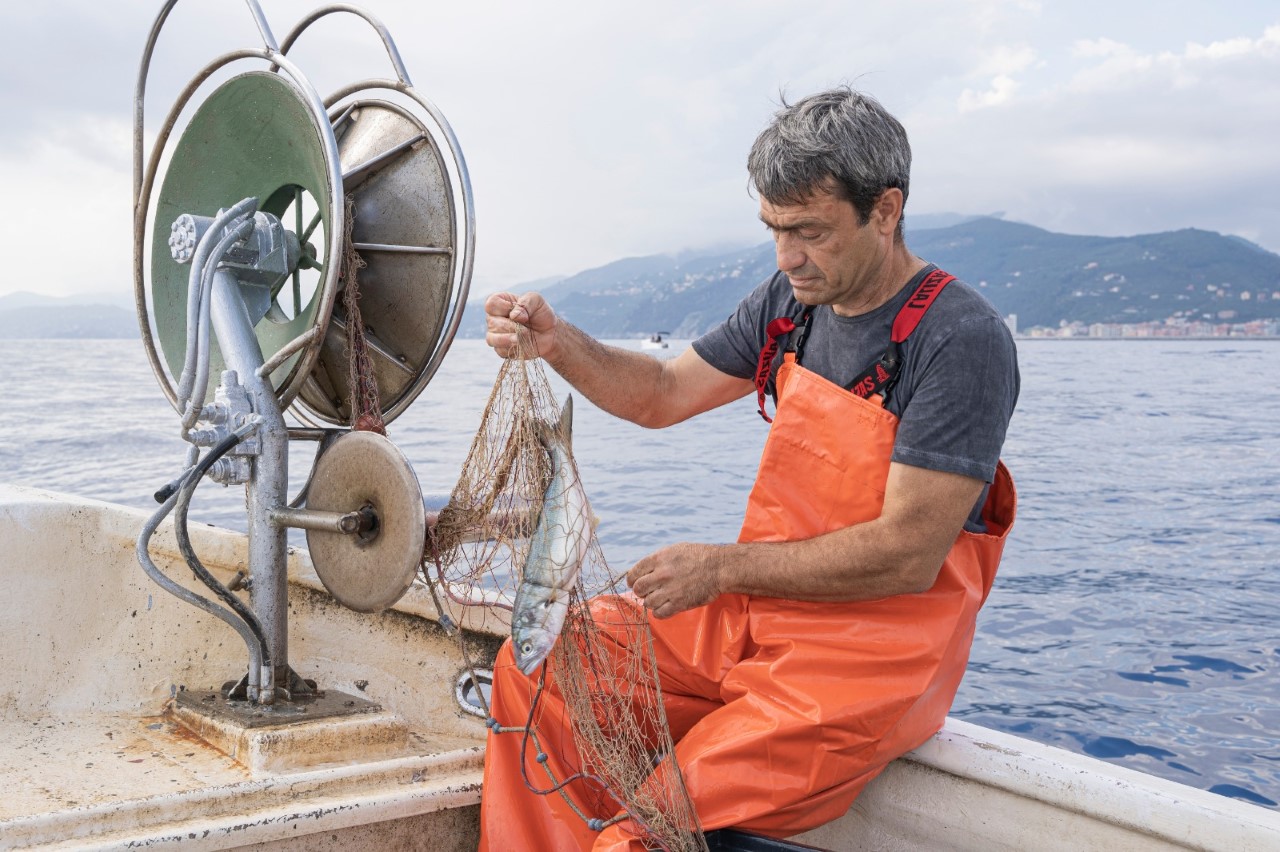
x: 881, y: 375
x: 775, y: 329
x: 912, y: 312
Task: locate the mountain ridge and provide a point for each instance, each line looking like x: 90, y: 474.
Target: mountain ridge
x: 1045, y: 278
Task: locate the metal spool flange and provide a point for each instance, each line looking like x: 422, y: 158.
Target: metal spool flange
x: 405, y: 233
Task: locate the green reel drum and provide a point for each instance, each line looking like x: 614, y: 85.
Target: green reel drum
x: 253, y: 137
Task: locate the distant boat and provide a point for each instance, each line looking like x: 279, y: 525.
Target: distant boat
x: 655, y: 341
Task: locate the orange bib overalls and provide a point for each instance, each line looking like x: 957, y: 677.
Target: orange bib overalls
x: 782, y: 710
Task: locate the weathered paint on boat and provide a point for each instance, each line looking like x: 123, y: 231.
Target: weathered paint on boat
x: 94, y: 653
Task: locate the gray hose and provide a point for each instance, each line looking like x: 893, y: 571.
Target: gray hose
x: 181, y: 592
x: 198, y: 263
x: 194, y: 400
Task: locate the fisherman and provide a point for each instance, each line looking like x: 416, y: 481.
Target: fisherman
x: 796, y: 663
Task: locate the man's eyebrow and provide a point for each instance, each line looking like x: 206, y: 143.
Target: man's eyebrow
x: 794, y: 226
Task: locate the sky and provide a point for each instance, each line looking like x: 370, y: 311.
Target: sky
x: 595, y: 131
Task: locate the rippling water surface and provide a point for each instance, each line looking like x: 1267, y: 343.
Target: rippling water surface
x: 1134, y: 618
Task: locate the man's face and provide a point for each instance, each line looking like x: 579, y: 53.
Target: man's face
x: 829, y: 258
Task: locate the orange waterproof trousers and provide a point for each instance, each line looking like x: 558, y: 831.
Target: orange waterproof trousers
x: 782, y: 711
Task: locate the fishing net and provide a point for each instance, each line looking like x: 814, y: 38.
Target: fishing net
x: 366, y: 409
x: 603, y: 664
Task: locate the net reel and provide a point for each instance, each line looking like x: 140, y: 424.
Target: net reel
x: 239, y: 247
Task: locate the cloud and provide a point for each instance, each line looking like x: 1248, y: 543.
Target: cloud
x: 595, y: 131
x: 1000, y: 65
x: 1002, y: 88
x: 1124, y: 68
x: 75, y: 240
x: 1269, y: 43
x: 1126, y: 140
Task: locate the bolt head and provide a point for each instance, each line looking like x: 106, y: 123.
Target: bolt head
x: 183, y: 236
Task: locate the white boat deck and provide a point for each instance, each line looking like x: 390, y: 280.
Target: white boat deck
x: 106, y: 781
x: 94, y: 651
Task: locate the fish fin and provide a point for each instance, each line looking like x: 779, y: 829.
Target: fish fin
x: 566, y: 420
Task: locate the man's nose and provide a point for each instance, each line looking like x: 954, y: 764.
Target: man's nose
x: 790, y: 255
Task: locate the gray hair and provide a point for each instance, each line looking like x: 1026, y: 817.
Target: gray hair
x: 839, y: 135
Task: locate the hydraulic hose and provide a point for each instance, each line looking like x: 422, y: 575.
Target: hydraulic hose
x: 185, y: 492
x: 194, y: 299
x: 196, y: 393
x: 253, y: 642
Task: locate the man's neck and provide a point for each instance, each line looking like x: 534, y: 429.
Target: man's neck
x: 897, y: 270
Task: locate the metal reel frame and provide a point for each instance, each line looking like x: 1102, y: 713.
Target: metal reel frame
x: 309, y: 344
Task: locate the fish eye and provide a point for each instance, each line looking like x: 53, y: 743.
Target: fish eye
x: 526, y: 648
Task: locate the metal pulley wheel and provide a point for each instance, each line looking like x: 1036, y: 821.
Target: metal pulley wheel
x: 370, y: 569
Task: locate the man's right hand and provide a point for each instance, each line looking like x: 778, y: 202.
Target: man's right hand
x: 628, y: 384
x: 505, y: 313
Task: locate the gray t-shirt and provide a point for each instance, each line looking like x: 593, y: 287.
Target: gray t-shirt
x: 956, y: 389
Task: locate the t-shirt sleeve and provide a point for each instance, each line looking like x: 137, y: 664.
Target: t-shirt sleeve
x: 734, y: 346
x: 959, y: 412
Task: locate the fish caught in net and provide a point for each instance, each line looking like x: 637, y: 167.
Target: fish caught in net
x: 518, y: 535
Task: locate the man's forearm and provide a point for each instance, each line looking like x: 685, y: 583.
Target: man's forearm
x: 861, y: 562
x: 845, y: 565
x: 626, y: 384
x: 899, y: 552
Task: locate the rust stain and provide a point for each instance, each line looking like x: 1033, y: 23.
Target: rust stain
x: 184, y: 736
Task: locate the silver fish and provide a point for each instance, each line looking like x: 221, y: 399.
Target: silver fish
x: 560, y: 541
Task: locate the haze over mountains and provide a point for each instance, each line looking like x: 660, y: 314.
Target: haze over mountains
x: 32, y: 316
x: 1044, y: 278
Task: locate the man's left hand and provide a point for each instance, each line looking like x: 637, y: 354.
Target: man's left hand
x: 678, y: 577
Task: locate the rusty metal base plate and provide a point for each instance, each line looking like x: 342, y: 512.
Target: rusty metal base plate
x: 293, y: 736
x: 247, y: 714
x: 369, y: 571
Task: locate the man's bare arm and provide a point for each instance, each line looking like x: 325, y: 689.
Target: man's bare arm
x: 898, y: 553
x: 627, y: 384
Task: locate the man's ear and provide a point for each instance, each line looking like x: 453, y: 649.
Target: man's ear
x: 887, y: 211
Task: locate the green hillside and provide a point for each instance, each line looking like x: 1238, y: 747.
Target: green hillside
x: 1047, y: 278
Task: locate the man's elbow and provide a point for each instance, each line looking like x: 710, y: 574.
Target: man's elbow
x: 920, y: 573
x: 659, y: 417
x: 666, y: 406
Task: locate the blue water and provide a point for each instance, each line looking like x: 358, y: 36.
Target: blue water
x: 1134, y: 616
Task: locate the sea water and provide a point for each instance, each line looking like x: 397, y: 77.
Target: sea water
x: 1134, y: 615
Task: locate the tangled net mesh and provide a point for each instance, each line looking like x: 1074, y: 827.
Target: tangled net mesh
x: 366, y: 408
x: 603, y: 664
